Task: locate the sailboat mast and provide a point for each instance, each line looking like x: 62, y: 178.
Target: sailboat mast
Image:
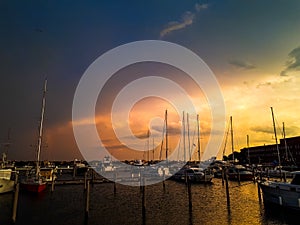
x: 277, y: 147
x: 231, y: 131
x: 184, y: 150
x: 148, y: 146
x: 285, y: 145
x: 198, y: 128
x: 248, y: 149
x: 41, y: 129
x: 189, y: 141
x: 153, y: 149
x: 166, y: 120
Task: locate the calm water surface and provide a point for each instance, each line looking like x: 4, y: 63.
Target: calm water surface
x: 167, y: 205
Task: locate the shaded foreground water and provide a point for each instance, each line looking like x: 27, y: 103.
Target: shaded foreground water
x: 164, y: 205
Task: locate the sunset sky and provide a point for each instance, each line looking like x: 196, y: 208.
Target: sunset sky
x: 252, y: 47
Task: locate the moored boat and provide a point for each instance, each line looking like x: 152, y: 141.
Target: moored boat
x: 35, y: 182
x: 194, y: 175
x: 283, y: 194
x: 7, y: 184
x: 239, y: 173
x: 34, y: 185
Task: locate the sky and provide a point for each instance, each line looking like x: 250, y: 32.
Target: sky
x: 252, y: 47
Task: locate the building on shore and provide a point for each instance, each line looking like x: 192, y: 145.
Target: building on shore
x: 289, y: 152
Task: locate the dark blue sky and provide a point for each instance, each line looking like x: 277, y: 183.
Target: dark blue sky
x: 242, y: 42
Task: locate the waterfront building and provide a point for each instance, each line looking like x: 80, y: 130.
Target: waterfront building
x: 289, y: 151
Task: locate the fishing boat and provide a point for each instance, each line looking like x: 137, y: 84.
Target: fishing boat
x: 283, y: 194
x: 34, y: 181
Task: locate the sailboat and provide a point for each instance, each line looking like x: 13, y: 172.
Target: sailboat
x: 284, y: 194
x: 35, y: 182
x: 237, y: 172
x: 195, y: 174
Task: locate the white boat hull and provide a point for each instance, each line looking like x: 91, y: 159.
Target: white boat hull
x: 6, y: 185
x: 281, y: 194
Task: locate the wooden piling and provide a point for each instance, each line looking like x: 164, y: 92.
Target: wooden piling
x: 143, y: 201
x: 253, y: 174
x: 15, y: 203
x: 258, y: 192
x: 85, y: 180
x: 239, y: 177
x: 115, y: 184
x: 74, y: 172
x: 164, y: 177
x: 190, y: 194
x: 87, y: 202
x: 52, y: 182
x: 223, y: 171
x: 227, y: 187
x: 93, y: 176
x: 190, y: 201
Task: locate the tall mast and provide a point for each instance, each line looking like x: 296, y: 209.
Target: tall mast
x: 285, y: 145
x: 41, y: 129
x: 198, y: 128
x: 277, y: 147
x: 184, y: 150
x: 166, y: 120
x: 231, y: 131
x: 153, y: 149
x: 248, y: 149
x: 189, y: 141
x: 225, y: 142
x: 148, y: 143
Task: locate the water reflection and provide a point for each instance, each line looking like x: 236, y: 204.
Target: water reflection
x: 171, y: 203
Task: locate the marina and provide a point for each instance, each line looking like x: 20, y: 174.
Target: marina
x: 89, y: 198
x: 150, y: 112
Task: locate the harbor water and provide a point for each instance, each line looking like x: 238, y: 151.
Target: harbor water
x: 164, y: 204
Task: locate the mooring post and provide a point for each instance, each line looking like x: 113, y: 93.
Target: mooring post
x: 258, y: 191
x: 190, y: 194
x: 227, y: 188
x: 115, y: 185
x: 87, y: 202
x: 53, y: 180
x: 164, y: 177
x: 93, y: 176
x: 15, y: 203
x: 223, y: 172
x: 74, y: 172
x: 143, y: 201
x: 85, y: 180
